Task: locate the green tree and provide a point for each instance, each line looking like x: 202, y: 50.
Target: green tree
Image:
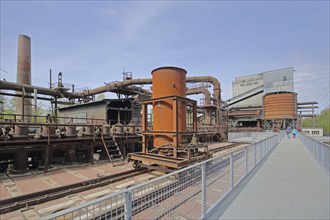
x: 9, y: 109
x: 42, y: 110
x: 322, y: 121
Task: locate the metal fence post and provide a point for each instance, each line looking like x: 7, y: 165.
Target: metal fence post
x: 246, y: 160
x: 322, y: 160
x: 231, y: 171
x: 255, y: 153
x: 128, y: 205
x: 262, y: 145
x: 203, y: 167
x: 317, y: 151
x: 320, y: 151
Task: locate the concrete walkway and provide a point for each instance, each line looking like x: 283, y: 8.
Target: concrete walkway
x: 289, y: 185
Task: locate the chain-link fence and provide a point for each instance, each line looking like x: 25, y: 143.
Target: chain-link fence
x: 318, y: 149
x: 190, y: 193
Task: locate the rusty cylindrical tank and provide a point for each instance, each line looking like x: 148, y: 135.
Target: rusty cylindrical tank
x: 168, y: 81
x: 48, y: 130
x: 89, y: 131
x: 280, y: 106
x: 24, y: 75
x: 21, y: 132
x: 71, y: 131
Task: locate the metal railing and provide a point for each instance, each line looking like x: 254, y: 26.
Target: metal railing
x: 319, y: 150
x: 192, y: 192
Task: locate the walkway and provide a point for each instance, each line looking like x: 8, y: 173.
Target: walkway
x: 289, y: 185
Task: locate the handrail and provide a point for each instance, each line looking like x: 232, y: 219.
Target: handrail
x: 319, y: 150
x: 137, y: 199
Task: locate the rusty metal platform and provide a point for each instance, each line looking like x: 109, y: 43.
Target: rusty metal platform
x: 170, y: 162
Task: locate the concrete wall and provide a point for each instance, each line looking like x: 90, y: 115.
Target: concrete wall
x: 84, y: 111
x: 280, y: 80
x: 244, y: 84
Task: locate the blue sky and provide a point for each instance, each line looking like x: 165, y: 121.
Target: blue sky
x: 92, y: 41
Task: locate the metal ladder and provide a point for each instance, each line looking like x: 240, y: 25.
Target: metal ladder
x: 222, y: 134
x: 114, y: 154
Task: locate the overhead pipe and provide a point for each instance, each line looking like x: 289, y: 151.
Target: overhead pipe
x: 113, y: 86
x: 201, y: 90
x: 207, y: 94
x: 106, y: 88
x: 41, y: 90
x: 214, y: 81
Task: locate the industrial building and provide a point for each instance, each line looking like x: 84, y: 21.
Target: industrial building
x: 137, y: 133
x: 81, y: 129
x: 112, y: 128
x: 265, y: 101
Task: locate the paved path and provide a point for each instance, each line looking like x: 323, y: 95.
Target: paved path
x: 289, y: 185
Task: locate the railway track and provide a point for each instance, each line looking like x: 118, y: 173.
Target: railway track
x: 157, y: 196
x: 28, y: 200
x: 212, y: 151
x: 31, y: 199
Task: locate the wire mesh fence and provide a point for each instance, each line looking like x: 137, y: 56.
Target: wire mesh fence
x: 190, y: 193
x: 318, y: 149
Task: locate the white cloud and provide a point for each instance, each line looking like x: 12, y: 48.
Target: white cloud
x: 312, y: 84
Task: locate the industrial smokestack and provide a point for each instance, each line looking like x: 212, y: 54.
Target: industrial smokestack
x: 23, y: 105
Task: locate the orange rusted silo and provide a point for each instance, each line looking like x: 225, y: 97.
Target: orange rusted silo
x: 168, y: 81
x: 280, y: 106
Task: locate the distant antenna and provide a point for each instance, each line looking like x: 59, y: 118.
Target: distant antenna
x: 2, y: 71
x: 127, y: 75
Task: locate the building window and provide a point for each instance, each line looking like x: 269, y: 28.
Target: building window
x: 255, y: 83
x: 242, y: 85
x: 249, y: 84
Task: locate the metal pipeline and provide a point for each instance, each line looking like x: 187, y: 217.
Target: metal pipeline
x: 41, y: 90
x: 112, y: 86
x: 211, y: 79
x: 199, y: 90
x: 207, y: 94
x: 106, y: 88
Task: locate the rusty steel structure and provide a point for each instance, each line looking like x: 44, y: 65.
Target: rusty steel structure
x: 82, y: 132
x: 174, y: 134
x: 173, y: 145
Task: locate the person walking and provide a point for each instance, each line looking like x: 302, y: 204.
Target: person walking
x: 288, y: 132
x: 294, y: 133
